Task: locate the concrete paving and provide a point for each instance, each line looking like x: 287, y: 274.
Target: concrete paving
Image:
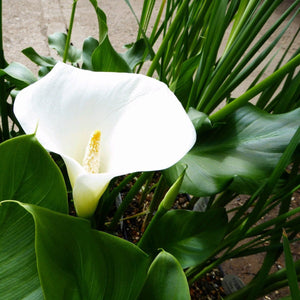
x: 29, y: 22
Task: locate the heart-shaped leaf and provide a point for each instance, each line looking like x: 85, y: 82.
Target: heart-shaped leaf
x: 77, y: 262
x: 28, y: 174
x: 241, y: 153
x: 190, y: 236
x: 165, y: 280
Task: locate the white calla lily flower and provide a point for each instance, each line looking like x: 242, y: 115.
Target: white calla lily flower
x: 104, y: 125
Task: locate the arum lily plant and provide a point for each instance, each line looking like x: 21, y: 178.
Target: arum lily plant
x: 104, y: 125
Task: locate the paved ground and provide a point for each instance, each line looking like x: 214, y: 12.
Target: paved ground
x: 29, y: 22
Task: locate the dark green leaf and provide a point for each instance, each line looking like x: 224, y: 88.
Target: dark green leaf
x: 135, y: 54
x: 184, y: 82
x: 190, y: 236
x: 106, y: 59
x: 166, y: 280
x: 58, y: 40
x: 89, y: 45
x: 242, y: 152
x: 290, y: 268
x: 199, y: 119
x: 28, y: 174
x: 76, y: 262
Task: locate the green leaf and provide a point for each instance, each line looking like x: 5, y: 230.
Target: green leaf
x: 28, y: 174
x: 19, y: 75
x: 43, y: 61
x: 58, y: 40
x: 241, y: 153
x: 89, y: 45
x: 135, y: 54
x: 290, y: 268
x: 101, y: 21
x: 77, y: 262
x: 199, y: 119
x: 190, y: 236
x: 165, y: 280
x: 184, y: 81
x: 106, y: 59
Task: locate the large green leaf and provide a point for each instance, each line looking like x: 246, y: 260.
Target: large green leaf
x: 28, y: 174
x: 190, y: 236
x: 165, y: 280
x: 77, y: 262
x: 106, y: 59
x: 241, y: 153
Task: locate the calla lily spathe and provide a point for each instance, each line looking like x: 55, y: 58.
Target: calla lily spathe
x: 129, y: 122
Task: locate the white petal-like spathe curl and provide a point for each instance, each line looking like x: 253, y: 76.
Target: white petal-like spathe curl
x: 143, y: 125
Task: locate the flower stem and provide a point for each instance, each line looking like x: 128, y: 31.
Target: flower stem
x: 70, y: 31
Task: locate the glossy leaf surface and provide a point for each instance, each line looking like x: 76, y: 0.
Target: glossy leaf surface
x: 20, y: 75
x: 29, y: 175
x: 89, y: 45
x: 241, y: 153
x: 190, y: 236
x: 76, y: 262
x: 165, y: 280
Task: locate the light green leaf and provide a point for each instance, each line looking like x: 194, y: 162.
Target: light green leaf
x: 19, y: 75
x: 58, y: 40
x: 190, y: 236
x: 166, y: 280
x: 28, y: 174
x: 76, y: 262
x: 241, y: 153
x: 42, y: 61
